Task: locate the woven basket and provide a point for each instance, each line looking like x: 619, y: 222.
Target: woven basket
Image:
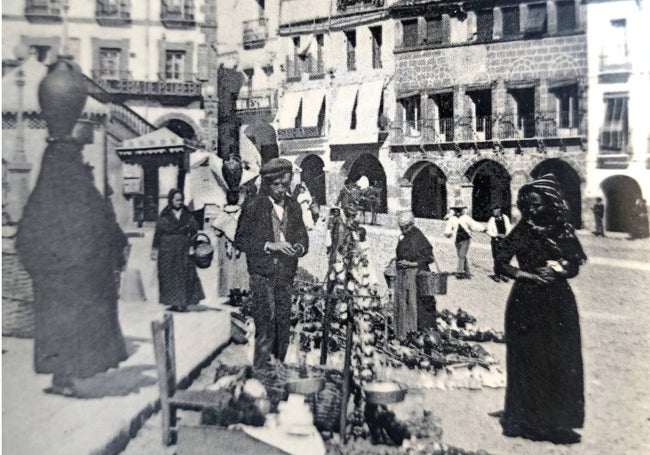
x: 17, y: 298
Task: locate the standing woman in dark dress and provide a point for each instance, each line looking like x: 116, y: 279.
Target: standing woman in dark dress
x: 414, y: 253
x: 172, y: 247
x: 545, y: 391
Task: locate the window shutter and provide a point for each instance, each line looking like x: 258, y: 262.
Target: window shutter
x: 484, y: 25
x: 202, y: 54
x: 510, y: 21
x: 410, y: 33
x: 536, y: 18
x: 566, y: 16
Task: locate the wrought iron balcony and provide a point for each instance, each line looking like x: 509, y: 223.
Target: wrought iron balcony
x: 175, y: 15
x: 256, y: 32
x: 173, y: 76
x: 43, y: 10
x: 121, y: 83
x: 539, y: 125
x: 305, y: 132
x: 113, y: 13
x: 257, y: 101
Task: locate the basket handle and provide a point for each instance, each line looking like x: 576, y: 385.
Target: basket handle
x: 436, y: 264
x: 198, y: 235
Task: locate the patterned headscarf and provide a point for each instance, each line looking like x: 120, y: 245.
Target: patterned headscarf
x: 548, y: 187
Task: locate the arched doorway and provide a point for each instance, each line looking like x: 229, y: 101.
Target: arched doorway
x: 370, y: 166
x: 620, y: 193
x: 428, y: 190
x: 181, y: 128
x: 569, y: 181
x: 491, y: 185
x: 314, y: 177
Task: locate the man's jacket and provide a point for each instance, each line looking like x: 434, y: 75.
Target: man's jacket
x: 255, y: 230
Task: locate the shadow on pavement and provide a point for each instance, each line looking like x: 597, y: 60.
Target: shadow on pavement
x: 120, y: 382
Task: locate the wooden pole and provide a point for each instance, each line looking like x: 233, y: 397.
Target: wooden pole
x: 345, y: 393
x: 327, y: 317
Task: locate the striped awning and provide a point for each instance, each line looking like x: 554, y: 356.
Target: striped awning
x: 163, y: 141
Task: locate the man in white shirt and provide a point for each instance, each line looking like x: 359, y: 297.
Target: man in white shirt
x: 498, y: 227
x: 460, y: 227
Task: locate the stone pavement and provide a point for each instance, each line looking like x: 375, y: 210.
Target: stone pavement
x: 119, y: 400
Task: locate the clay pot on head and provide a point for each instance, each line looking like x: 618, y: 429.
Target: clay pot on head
x: 62, y: 95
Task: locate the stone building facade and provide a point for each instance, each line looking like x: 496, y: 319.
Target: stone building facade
x: 487, y: 97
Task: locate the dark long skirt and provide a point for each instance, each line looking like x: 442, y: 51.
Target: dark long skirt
x: 544, y: 357
x: 178, y: 281
x: 77, y: 331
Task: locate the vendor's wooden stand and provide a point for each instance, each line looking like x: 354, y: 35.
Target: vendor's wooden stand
x: 171, y: 399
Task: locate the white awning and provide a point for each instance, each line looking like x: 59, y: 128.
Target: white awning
x: 342, y: 113
x: 288, y: 109
x: 161, y: 141
x: 312, y: 101
x: 368, y: 108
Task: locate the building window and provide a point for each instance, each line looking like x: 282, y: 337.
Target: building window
x: 613, y: 136
x: 566, y: 16
x: 294, y: 69
x: 411, y: 117
x: 410, y: 33
x: 109, y: 63
x: 615, y: 51
x: 376, y: 46
x: 522, y: 105
x: 566, y: 106
x: 510, y: 22
x: 174, y: 65
x: 536, y: 19
x: 435, y: 34
x: 443, y: 116
x: 320, y: 66
x: 351, y: 39
x: 484, y: 25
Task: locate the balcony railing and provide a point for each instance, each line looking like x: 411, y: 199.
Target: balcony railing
x: 305, y: 132
x: 487, y: 128
x: 113, y: 13
x: 256, y: 101
x: 614, y: 63
x: 175, y: 15
x: 122, y: 84
x: 256, y: 32
x: 172, y: 76
x: 43, y: 10
x: 347, y: 5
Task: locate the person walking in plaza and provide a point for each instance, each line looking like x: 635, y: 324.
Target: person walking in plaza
x: 349, y: 192
x: 460, y: 227
x: 414, y: 253
x: 598, y: 210
x: 272, y: 233
x: 545, y: 390
x: 498, y: 227
x: 172, y: 248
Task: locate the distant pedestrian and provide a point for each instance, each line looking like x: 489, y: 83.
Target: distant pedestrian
x: 414, y: 253
x: 598, y: 210
x: 272, y: 233
x: 303, y: 197
x: 498, y: 227
x: 459, y: 227
x: 640, y: 220
x: 545, y: 390
x: 349, y: 193
x: 172, y: 248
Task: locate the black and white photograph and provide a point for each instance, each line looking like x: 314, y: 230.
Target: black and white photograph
x: 325, y: 227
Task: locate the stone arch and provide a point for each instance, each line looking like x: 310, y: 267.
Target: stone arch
x: 313, y: 175
x: 620, y: 193
x: 565, y: 65
x: 369, y: 165
x: 521, y: 68
x: 570, y: 183
x: 180, y: 118
x: 490, y: 185
x: 428, y: 190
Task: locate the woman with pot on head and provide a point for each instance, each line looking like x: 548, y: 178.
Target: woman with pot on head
x: 544, y: 392
x: 178, y: 281
x: 414, y: 254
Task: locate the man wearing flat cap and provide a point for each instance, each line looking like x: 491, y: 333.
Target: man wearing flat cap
x: 460, y: 227
x: 272, y: 234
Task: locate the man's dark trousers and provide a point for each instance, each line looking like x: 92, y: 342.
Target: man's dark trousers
x: 271, y: 312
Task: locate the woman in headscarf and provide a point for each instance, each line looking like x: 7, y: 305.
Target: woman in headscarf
x: 178, y: 281
x: 545, y: 392
x: 414, y: 253
x: 70, y: 243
